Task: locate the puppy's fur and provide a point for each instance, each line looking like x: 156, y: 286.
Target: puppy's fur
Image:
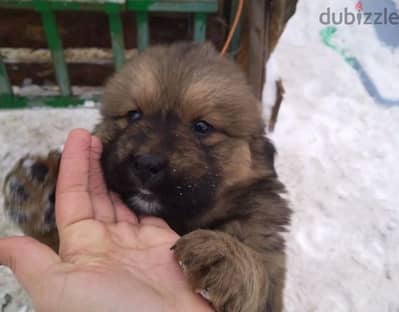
x: 184, y: 140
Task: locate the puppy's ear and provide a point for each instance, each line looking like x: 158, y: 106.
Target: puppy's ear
x: 202, y: 48
x: 270, y: 153
x: 208, y: 48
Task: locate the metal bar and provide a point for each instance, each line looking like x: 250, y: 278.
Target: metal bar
x: 6, y: 95
x: 57, y: 53
x: 142, y: 30
x: 199, y: 26
x: 53, y: 5
x: 134, y: 5
x: 46, y: 101
x: 116, y: 31
x: 173, y: 6
x: 5, y: 86
x: 47, y: 8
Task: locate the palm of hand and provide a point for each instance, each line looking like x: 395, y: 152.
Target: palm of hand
x: 108, y: 260
x: 122, y: 259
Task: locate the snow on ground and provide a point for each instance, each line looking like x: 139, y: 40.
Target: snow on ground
x: 337, y: 155
x: 31, y: 131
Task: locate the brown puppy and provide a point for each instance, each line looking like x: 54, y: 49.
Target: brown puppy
x: 184, y: 140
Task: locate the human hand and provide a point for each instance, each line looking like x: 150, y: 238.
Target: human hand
x: 108, y: 259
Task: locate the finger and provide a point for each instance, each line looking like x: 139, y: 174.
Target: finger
x: 154, y: 221
x: 101, y: 202
x: 123, y: 213
x: 27, y: 258
x: 73, y: 202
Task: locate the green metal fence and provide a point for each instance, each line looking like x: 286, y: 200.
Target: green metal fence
x: 113, y: 9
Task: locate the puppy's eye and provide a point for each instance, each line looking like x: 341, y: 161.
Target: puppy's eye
x: 202, y: 127
x: 134, y: 116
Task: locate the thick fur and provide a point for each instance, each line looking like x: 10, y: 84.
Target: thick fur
x: 219, y: 189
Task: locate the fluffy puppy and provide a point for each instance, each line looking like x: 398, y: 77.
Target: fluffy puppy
x: 184, y: 140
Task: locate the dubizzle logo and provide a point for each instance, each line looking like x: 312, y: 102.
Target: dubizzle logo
x: 359, y: 6
x: 361, y: 17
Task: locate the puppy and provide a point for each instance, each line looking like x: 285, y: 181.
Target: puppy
x: 184, y: 140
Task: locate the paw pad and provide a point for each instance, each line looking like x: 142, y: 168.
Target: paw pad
x: 29, y: 193
x: 17, y: 191
x: 38, y: 171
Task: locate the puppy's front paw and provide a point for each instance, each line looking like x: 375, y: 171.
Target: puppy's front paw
x: 223, y: 270
x: 29, y: 193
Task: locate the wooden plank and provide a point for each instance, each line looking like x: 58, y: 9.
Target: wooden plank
x: 259, y: 19
x: 173, y: 5
x: 57, y: 53
x: 282, y: 11
x: 117, y: 38
x: 263, y: 24
x: 80, y: 74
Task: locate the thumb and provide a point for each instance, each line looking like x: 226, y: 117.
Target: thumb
x: 27, y: 258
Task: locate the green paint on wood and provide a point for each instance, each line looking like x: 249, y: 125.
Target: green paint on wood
x: 142, y: 30
x: 113, y: 8
x: 173, y: 5
x: 13, y: 102
x: 116, y: 31
x: 199, y: 26
x: 53, y: 5
x: 57, y: 53
x: 5, y: 86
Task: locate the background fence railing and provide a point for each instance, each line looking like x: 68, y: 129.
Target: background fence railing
x: 113, y: 8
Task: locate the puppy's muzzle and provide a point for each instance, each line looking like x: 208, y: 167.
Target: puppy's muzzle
x: 150, y: 169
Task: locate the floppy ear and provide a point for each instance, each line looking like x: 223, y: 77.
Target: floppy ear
x: 204, y: 48
x: 269, y: 153
x: 208, y: 48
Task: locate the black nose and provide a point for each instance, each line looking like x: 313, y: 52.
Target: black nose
x: 150, y: 168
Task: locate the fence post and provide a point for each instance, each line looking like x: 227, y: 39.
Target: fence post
x: 116, y: 32
x: 199, y: 26
x: 55, y: 45
x: 142, y: 30
x: 6, y: 95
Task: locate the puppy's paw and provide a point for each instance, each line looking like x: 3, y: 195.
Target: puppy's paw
x: 29, y: 191
x: 222, y: 270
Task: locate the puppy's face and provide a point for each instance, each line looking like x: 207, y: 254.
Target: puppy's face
x: 180, y: 127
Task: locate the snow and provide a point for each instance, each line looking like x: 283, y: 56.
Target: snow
x: 338, y: 151
x: 31, y: 131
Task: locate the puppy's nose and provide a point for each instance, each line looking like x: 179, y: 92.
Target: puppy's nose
x: 150, y: 168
